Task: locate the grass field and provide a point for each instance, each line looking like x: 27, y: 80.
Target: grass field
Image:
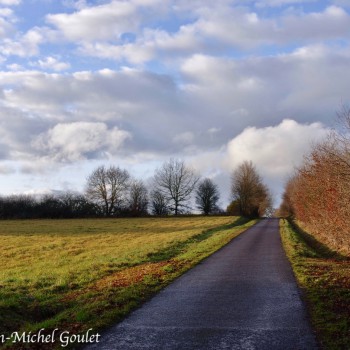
x: 78, y: 274
x: 325, y: 278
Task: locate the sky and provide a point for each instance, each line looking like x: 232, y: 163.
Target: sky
x: 133, y: 83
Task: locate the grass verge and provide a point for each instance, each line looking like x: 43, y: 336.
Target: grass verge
x: 80, y: 274
x: 325, y: 278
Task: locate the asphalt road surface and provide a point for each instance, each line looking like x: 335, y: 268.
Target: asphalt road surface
x: 242, y: 297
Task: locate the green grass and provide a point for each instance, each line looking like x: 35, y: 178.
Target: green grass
x: 325, y: 278
x: 81, y: 274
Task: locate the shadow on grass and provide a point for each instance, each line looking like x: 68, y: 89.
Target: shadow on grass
x: 176, y: 249
x: 319, y: 249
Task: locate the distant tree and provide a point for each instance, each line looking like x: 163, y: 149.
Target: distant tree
x: 250, y: 192
x: 75, y: 205
x: 233, y: 208
x: 159, y: 204
x: 286, y: 208
x: 266, y: 202
x: 63, y: 205
x: 176, y: 182
x: 50, y: 207
x: 138, y: 198
x: 207, y: 196
x: 108, y: 188
x: 17, y: 207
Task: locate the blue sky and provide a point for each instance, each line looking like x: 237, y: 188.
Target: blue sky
x: 133, y: 83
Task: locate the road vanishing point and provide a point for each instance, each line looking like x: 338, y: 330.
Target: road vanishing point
x: 244, y: 296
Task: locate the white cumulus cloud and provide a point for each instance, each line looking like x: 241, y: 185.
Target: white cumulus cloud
x: 52, y: 63
x: 10, y: 2
x: 98, y: 22
x: 275, y: 150
x: 24, y: 46
x: 68, y: 142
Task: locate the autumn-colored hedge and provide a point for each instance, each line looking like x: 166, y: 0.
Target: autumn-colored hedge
x: 318, y: 195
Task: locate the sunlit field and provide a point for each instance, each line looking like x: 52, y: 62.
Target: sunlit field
x: 78, y: 274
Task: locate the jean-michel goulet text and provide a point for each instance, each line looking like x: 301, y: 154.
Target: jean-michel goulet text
x: 44, y: 337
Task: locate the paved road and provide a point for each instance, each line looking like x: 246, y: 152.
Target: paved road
x: 242, y: 297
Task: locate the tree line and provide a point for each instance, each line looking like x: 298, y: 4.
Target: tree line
x: 174, y: 190
x: 318, y: 193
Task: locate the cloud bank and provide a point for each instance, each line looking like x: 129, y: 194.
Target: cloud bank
x: 137, y: 82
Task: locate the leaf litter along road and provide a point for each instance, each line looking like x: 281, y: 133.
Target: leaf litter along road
x: 242, y: 297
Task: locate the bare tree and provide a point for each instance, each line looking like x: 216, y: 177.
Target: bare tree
x: 207, y: 196
x: 159, y: 204
x: 108, y: 187
x: 176, y: 182
x: 76, y: 205
x: 250, y: 192
x: 138, y: 198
